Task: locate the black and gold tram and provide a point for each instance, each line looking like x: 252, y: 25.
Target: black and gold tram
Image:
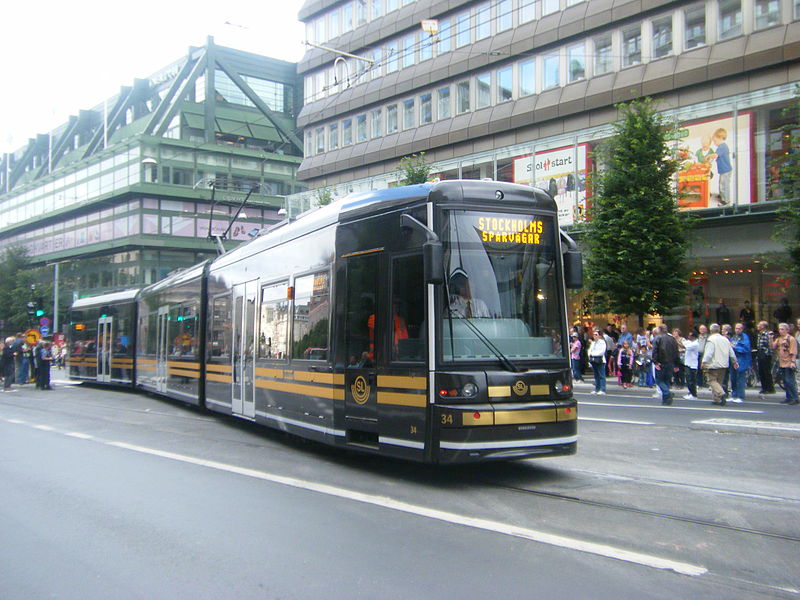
x: 423, y: 322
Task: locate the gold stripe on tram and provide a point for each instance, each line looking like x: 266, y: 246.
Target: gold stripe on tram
x: 183, y: 373
x: 146, y: 361
x: 220, y: 378
x: 504, y: 391
x: 403, y: 382
x: 141, y: 367
x: 219, y: 368
x: 401, y: 399
x: 311, y: 377
x: 518, y: 417
x: 303, y: 390
x: 274, y: 373
x: 567, y: 414
x: 183, y: 365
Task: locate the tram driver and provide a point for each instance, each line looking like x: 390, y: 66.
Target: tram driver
x: 462, y: 303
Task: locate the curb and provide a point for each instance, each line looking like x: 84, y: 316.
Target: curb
x: 753, y: 427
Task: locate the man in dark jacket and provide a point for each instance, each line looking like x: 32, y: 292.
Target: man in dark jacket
x: 666, y: 358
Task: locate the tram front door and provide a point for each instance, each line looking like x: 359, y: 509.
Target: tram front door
x: 162, y: 349
x: 105, y: 345
x: 244, y: 323
x: 362, y: 344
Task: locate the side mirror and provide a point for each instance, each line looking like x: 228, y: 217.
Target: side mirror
x: 433, y: 262
x: 573, y: 269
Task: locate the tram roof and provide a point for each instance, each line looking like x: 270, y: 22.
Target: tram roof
x: 176, y: 278
x: 111, y: 298
x: 360, y: 204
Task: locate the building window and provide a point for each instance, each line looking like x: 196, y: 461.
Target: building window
x: 483, y: 18
x: 576, y: 62
x: 408, y: 50
x: 425, y: 47
x: 361, y: 12
x: 425, y: 109
x: 333, y: 23
x: 333, y: 137
x: 309, y: 144
x: 463, y: 36
x: 527, y: 77
x: 377, y: 125
x: 551, y: 66
x: 320, y: 140
x: 462, y: 97
x: 391, y: 57
x: 505, y: 84
x: 603, y: 54
x: 632, y: 46
x: 504, y: 17
x: 768, y: 13
x: 361, y: 128
x: 483, y: 87
x: 391, y: 5
x: 445, y: 36
x: 444, y: 103
x: 695, y: 29
x: 347, y: 17
x: 662, y: 36
x: 408, y: 114
x: 730, y: 18
x: 527, y: 10
x: 347, y: 132
x: 797, y: 9
x: 391, y: 118
x: 377, y: 8
x: 550, y: 6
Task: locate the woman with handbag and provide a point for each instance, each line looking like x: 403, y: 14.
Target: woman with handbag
x: 597, y: 360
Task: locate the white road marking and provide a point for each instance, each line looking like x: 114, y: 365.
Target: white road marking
x: 79, y: 435
x: 665, y: 407
x: 439, y: 515
x: 647, y: 560
x: 616, y: 421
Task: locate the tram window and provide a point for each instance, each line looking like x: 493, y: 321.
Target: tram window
x: 362, y: 293
x: 273, y: 321
x: 152, y: 333
x: 311, y: 317
x: 122, y: 336
x: 183, y: 331
x: 408, y: 308
x: 219, y: 341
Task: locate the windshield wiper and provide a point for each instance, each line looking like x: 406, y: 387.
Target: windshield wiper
x: 504, y: 360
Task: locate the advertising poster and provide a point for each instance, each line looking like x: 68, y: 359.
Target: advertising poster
x: 715, y: 163
x: 562, y: 172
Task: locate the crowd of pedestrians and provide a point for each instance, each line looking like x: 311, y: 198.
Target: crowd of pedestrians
x: 22, y: 363
x: 717, y: 356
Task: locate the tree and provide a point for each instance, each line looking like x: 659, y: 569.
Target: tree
x: 636, y: 237
x: 16, y: 278
x: 324, y: 196
x: 786, y: 167
x: 416, y: 168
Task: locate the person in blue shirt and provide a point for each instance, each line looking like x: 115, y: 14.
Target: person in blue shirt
x: 724, y: 167
x: 741, y: 347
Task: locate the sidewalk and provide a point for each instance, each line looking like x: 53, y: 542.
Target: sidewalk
x: 679, y: 392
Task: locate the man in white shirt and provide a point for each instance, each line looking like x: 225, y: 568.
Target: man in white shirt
x: 716, y: 358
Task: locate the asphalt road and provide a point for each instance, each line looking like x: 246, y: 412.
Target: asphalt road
x: 112, y: 494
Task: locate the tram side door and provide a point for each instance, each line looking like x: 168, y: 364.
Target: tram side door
x: 105, y: 344
x: 244, y: 322
x: 162, y: 349
x: 362, y: 343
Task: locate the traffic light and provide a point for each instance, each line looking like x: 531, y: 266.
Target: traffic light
x: 39, y: 312
x: 32, y: 308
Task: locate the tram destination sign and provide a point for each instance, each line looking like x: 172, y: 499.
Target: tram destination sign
x: 511, y: 230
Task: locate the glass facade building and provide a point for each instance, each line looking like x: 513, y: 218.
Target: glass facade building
x: 134, y: 188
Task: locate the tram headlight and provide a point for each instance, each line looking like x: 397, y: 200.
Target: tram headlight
x: 558, y: 386
x: 470, y: 390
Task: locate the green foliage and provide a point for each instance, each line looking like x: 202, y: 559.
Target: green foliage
x: 416, y: 168
x: 787, y: 186
x: 16, y: 278
x: 324, y: 196
x: 637, y: 238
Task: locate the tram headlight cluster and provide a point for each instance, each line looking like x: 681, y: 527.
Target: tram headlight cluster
x: 561, y: 388
x: 468, y: 390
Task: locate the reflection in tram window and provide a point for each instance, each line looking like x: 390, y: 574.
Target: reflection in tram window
x: 273, y: 321
x: 408, y: 309
x: 220, y: 330
x: 311, y: 317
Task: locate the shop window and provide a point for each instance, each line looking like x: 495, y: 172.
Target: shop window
x: 695, y: 26
x: 662, y: 36
x: 730, y: 18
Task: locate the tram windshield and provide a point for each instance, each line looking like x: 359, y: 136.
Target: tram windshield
x: 502, y: 288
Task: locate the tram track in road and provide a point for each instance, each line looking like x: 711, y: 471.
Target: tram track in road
x: 616, y: 506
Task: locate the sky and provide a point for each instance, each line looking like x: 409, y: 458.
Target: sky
x: 60, y: 57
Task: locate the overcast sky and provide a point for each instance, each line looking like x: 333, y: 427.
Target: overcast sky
x: 60, y: 57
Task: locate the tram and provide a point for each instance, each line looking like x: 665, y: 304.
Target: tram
x: 423, y: 322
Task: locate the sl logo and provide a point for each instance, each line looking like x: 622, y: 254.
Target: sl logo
x: 520, y: 388
x: 360, y: 390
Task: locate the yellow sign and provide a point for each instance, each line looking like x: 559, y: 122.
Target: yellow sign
x: 510, y: 230
x: 32, y: 337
